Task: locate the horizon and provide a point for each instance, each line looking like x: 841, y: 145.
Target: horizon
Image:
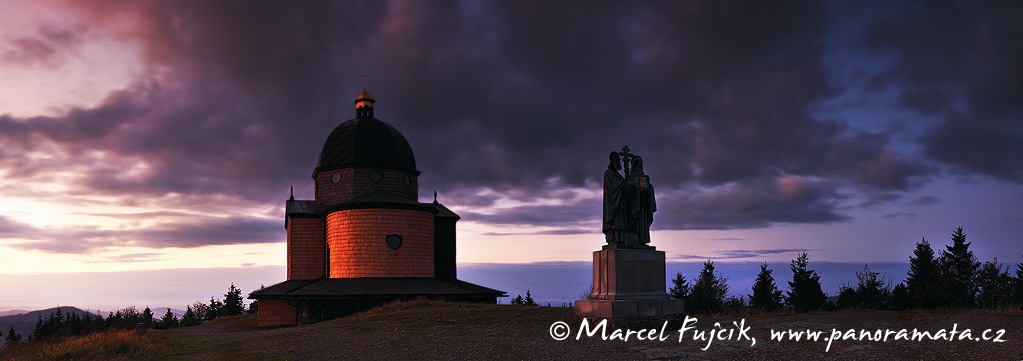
x: 132, y: 142
x: 146, y: 289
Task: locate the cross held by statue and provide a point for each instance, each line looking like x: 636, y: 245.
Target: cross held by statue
x: 626, y: 158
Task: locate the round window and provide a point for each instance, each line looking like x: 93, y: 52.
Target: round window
x: 336, y: 177
x: 393, y: 241
x: 408, y: 181
x: 376, y: 176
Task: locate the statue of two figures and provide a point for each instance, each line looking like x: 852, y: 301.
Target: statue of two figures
x: 629, y: 204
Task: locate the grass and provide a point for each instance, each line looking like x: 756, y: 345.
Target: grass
x: 107, y: 345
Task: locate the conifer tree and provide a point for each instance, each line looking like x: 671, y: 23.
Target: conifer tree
x: 214, y: 309
x: 12, y: 336
x: 708, y: 292
x: 923, y: 283
x: 766, y: 294
x: 680, y: 288
x: 189, y: 318
x: 147, y: 316
x: 1017, y: 293
x: 168, y: 320
x: 232, y: 302
x: 805, y: 292
x: 959, y: 268
x: 528, y: 301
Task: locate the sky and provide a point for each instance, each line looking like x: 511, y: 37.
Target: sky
x: 155, y: 136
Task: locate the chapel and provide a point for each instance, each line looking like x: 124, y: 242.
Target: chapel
x: 365, y: 239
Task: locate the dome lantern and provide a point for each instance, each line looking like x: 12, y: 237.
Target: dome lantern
x: 364, y: 104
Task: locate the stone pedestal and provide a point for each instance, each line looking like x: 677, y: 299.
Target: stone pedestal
x: 629, y: 289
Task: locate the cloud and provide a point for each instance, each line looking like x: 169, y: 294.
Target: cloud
x: 735, y: 254
x: 234, y: 101
x: 755, y: 253
x: 958, y: 61
x: 749, y: 204
x: 192, y: 232
x: 49, y: 47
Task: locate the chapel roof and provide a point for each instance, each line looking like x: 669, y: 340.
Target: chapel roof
x: 366, y: 142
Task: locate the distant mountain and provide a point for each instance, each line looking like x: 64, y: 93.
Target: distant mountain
x: 12, y: 312
x: 24, y: 322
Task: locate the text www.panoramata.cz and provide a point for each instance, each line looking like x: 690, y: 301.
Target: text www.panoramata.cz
x: 739, y: 332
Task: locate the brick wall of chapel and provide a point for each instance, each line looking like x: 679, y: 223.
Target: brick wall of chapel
x: 306, y: 248
x: 356, y: 182
x: 356, y: 241
x: 275, y: 313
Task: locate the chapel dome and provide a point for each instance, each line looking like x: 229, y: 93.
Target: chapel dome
x: 366, y: 142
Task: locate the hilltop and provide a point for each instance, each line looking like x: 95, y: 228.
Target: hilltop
x: 438, y: 330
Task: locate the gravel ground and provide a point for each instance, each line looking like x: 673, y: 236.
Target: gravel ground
x: 424, y: 330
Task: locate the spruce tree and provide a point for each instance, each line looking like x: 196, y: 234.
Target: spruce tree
x: 232, y: 302
x: 805, y: 292
x: 169, y: 320
x: 147, y: 316
x: 12, y: 336
x: 923, y: 283
x: 680, y: 288
x: 528, y: 301
x: 766, y: 294
x: 708, y: 292
x: 959, y: 268
x: 189, y: 318
x: 214, y: 309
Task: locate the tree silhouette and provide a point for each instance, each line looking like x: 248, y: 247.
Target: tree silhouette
x: 232, y: 302
x: 168, y: 320
x: 12, y: 336
x: 708, y: 292
x: 214, y: 309
x: 189, y: 318
x: 147, y: 316
x: 1017, y: 293
x: 871, y: 291
x: 805, y: 292
x: 995, y: 285
x: 680, y: 288
x: 529, y: 298
x: 202, y: 311
x: 959, y: 268
x: 766, y: 294
x: 923, y: 283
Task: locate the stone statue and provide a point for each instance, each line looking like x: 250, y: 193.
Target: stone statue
x: 628, y: 203
x: 643, y: 203
x: 616, y: 212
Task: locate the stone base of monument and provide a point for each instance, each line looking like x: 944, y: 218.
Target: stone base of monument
x: 629, y: 290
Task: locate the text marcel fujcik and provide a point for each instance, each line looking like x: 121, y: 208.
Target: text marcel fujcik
x: 738, y: 332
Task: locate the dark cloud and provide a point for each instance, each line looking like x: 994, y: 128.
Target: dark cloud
x: 749, y: 204
x: 566, y: 215
x: 959, y: 61
x: 525, y: 99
